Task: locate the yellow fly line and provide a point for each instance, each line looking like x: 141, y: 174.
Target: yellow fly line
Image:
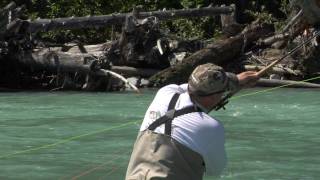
x: 67, y: 140
x: 272, y: 89
x: 47, y: 146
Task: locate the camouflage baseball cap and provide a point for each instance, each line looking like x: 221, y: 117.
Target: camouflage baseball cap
x: 209, y: 79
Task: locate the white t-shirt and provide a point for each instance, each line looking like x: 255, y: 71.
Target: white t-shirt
x: 197, y: 131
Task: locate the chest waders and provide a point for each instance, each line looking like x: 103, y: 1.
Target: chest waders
x: 158, y: 156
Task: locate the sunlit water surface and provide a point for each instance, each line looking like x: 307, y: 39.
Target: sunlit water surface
x: 70, y: 135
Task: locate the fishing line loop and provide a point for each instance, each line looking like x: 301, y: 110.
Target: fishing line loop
x: 130, y: 123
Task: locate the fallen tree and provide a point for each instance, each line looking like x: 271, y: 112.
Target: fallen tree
x: 137, y: 72
x: 286, y: 83
x: 64, y: 62
x: 142, y: 45
x: 118, y: 19
x: 218, y: 53
x: 274, y: 70
x: 45, y: 59
x: 5, y: 17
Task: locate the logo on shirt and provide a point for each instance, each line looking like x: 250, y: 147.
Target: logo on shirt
x: 154, y: 115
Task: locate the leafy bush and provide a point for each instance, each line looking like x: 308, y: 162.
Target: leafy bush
x: 185, y: 28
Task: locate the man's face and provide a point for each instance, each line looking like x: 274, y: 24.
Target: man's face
x: 213, y: 100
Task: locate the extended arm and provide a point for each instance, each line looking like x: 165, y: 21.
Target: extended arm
x: 247, y: 78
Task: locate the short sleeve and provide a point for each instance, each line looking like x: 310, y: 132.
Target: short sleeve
x: 214, y: 153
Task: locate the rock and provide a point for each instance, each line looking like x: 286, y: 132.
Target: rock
x: 144, y: 83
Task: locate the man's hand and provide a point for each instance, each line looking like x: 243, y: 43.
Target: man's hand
x: 247, y: 78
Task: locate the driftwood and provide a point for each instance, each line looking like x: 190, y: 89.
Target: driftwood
x: 90, y: 67
x: 104, y: 72
x: 272, y: 39
x: 137, y: 72
x: 73, y: 60
x: 292, y: 21
x: 64, y: 62
x: 286, y: 83
x: 5, y: 16
x: 274, y: 70
x: 9, y: 22
x: 45, y: 59
x: 118, y: 19
x: 4, y: 11
x: 311, y: 10
x: 48, y: 60
x: 218, y: 53
x: 92, y: 49
x: 264, y: 70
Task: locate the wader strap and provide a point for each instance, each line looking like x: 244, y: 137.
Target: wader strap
x: 170, y: 115
x: 173, y: 101
x: 172, y: 104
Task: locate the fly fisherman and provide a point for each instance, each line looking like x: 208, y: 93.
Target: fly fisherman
x: 178, y: 140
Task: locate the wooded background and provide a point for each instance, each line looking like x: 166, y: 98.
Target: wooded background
x: 273, y: 11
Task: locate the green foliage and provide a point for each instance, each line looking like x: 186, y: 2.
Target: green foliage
x: 263, y: 16
x: 185, y: 28
x: 260, y: 11
x: 192, y: 4
x: 194, y: 28
x: 285, y: 7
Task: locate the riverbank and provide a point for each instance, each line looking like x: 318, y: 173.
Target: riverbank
x: 147, y: 51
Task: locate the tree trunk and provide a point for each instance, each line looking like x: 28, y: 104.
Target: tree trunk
x: 54, y: 61
x: 219, y: 52
x: 274, y: 70
x: 286, y: 83
x: 137, y: 72
x: 7, y: 8
x: 5, y: 14
x: 118, y: 19
x: 45, y: 59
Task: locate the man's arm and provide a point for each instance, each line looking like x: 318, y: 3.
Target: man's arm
x: 247, y: 79
x: 214, y: 155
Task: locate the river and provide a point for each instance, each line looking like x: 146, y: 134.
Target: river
x: 74, y: 135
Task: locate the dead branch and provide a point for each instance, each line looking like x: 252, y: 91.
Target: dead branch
x: 274, y: 70
x: 286, y: 83
x: 219, y: 52
x: 118, y: 19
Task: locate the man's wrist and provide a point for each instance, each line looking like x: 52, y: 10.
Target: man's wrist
x: 235, y: 81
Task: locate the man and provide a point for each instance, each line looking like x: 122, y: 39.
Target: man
x: 178, y: 140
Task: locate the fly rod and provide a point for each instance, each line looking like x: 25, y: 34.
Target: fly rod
x: 264, y: 70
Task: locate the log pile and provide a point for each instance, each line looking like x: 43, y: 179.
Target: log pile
x: 140, y: 51
x: 269, y: 46
x: 143, y: 51
x: 219, y: 53
x: 118, y: 19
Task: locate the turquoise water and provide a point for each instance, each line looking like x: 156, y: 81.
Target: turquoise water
x: 71, y: 135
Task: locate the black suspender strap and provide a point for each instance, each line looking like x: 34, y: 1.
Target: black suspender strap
x: 171, y: 111
x: 160, y: 121
x: 173, y: 101
x: 170, y: 115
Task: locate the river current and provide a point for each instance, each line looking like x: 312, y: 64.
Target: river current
x: 271, y: 135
